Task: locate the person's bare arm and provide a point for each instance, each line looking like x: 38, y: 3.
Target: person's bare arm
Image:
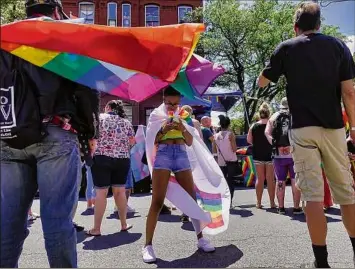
x: 233, y: 143
x: 188, y: 137
x: 263, y: 81
x: 348, y: 96
x: 268, y: 131
x: 250, y: 136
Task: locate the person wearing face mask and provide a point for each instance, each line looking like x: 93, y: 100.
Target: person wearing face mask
x: 50, y: 162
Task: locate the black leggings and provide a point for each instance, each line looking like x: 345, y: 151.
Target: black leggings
x: 229, y: 171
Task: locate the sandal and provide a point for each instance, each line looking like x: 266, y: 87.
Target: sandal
x: 129, y: 226
x: 259, y: 206
x: 89, y: 233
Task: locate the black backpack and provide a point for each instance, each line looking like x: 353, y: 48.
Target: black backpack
x: 20, y: 119
x: 282, y: 125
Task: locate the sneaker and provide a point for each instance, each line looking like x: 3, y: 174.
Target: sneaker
x: 297, y: 211
x: 205, y: 245
x: 282, y: 211
x: 184, y: 218
x: 78, y: 227
x: 148, y: 254
x: 130, y: 209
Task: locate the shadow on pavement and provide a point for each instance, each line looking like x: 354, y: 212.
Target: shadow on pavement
x: 88, y: 212
x: 111, y: 240
x: 244, y: 213
x: 187, y: 226
x: 333, y: 211
x: 221, y: 258
x: 302, y: 218
x: 169, y: 218
x: 247, y: 206
x: 129, y: 216
x: 80, y: 237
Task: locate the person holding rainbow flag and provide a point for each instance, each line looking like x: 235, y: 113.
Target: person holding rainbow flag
x: 183, y: 170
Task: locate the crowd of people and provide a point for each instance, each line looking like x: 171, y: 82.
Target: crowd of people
x: 304, y: 141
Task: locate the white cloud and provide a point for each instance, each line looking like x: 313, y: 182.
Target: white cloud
x: 351, y: 43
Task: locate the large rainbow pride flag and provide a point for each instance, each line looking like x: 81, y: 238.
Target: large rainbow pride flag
x: 105, y: 58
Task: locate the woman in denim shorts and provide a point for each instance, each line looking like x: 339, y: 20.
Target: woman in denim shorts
x: 171, y: 142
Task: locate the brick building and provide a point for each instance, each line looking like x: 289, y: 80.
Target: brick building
x: 132, y: 13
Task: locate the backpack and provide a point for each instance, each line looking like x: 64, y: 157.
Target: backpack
x: 280, y: 130
x: 20, y: 119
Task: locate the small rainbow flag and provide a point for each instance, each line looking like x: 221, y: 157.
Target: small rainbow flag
x: 211, y: 203
x: 249, y: 171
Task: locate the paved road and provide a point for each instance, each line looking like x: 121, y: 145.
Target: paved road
x: 255, y: 238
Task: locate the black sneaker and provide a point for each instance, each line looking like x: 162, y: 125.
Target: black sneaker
x: 297, y: 211
x: 165, y: 210
x: 184, y: 218
x: 78, y: 227
x: 282, y: 211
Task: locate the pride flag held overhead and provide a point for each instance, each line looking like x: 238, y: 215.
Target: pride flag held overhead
x: 106, y: 58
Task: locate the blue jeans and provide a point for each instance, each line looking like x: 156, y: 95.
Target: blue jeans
x: 90, y: 190
x: 172, y: 157
x: 54, y: 167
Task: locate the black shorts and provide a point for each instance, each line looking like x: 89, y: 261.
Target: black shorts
x: 108, y: 171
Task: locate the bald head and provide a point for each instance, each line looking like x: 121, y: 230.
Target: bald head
x: 206, y: 121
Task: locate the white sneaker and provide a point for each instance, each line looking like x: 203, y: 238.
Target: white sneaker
x: 130, y: 209
x: 148, y: 254
x: 205, y: 245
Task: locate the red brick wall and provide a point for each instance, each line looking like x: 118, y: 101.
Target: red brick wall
x: 168, y: 9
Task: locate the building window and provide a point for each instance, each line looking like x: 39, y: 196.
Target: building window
x: 126, y: 15
x: 112, y: 14
x: 182, y: 11
x: 87, y: 11
x: 152, y: 16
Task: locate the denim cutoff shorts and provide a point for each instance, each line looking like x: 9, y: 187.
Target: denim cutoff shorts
x: 172, y: 157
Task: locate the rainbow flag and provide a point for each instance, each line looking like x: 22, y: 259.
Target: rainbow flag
x: 211, y: 203
x: 109, y: 59
x: 249, y: 171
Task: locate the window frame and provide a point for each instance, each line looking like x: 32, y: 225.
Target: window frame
x: 130, y: 14
x: 183, y: 6
x: 108, y: 13
x: 87, y: 3
x: 145, y: 13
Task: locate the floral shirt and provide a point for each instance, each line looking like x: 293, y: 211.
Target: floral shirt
x: 114, y: 136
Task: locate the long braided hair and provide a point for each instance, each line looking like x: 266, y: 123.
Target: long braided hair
x: 116, y: 107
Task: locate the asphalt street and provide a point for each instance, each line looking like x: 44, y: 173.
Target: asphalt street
x: 255, y: 238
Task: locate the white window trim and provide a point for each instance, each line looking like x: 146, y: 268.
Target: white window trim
x: 145, y: 13
x: 179, y: 11
x: 87, y: 3
x: 130, y: 14
x: 108, y: 4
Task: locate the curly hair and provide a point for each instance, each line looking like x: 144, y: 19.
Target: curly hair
x: 116, y: 107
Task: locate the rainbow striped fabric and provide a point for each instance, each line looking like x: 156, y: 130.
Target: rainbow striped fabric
x: 211, y: 203
x: 119, y: 61
x: 249, y: 171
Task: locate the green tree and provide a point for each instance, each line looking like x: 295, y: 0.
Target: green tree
x: 242, y: 38
x: 12, y: 10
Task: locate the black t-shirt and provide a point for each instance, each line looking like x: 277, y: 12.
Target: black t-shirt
x: 262, y: 150
x: 314, y: 65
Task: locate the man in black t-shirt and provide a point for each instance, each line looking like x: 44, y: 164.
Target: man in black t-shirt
x: 319, y: 70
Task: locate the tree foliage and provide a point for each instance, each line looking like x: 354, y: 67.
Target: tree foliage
x: 12, y: 10
x: 242, y: 39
